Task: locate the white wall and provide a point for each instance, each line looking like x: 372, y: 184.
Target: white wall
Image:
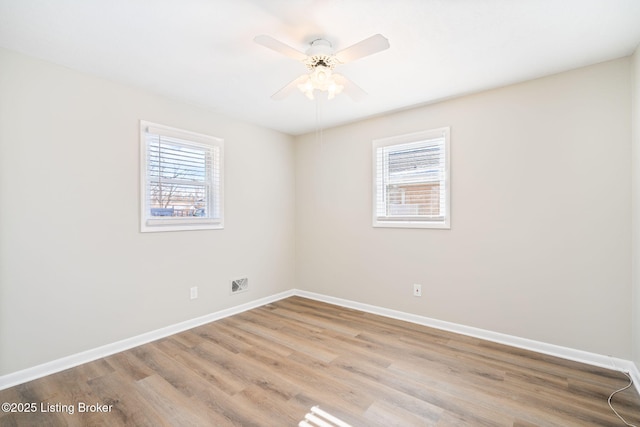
x: 635, y: 199
x: 75, y: 272
x: 539, y: 245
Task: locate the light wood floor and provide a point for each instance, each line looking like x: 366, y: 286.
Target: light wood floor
x: 268, y: 366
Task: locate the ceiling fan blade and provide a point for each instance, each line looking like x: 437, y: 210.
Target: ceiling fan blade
x: 366, y: 47
x: 289, y: 88
x: 354, y: 91
x: 278, y: 46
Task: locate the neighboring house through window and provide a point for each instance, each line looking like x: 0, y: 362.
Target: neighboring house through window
x: 411, y: 180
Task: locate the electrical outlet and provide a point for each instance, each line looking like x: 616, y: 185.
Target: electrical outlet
x: 194, y: 292
x: 417, y: 290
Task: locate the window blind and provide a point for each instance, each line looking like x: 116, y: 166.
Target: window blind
x: 182, y: 179
x: 411, y: 178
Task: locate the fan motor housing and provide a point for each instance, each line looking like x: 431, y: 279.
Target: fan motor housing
x: 320, y: 53
x: 327, y: 61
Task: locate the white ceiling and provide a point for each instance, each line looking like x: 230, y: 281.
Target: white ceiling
x: 202, y: 51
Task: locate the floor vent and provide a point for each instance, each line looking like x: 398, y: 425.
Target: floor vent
x: 239, y: 285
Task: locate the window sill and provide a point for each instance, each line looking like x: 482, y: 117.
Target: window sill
x: 180, y: 224
x: 411, y: 224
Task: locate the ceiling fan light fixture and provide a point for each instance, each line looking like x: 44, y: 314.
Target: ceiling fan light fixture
x: 332, y: 92
x: 306, y: 87
x: 334, y: 89
x: 320, y: 60
x: 321, y: 79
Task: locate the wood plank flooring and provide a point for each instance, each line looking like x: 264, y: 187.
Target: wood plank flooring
x: 268, y: 366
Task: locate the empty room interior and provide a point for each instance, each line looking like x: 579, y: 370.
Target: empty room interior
x: 306, y: 212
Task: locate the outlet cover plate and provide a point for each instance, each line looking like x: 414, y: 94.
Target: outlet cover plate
x: 417, y: 290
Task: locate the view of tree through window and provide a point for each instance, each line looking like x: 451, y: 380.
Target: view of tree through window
x: 181, y: 179
x: 177, y: 178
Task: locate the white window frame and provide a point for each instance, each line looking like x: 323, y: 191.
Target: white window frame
x: 215, y: 180
x: 381, y: 175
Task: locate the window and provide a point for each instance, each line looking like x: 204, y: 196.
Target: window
x: 411, y: 180
x: 181, y: 179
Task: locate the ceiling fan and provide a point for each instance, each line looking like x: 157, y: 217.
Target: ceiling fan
x: 320, y: 60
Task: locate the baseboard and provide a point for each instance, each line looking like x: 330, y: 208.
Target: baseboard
x: 635, y: 376
x: 594, y: 359
x: 71, y: 361
x: 61, y: 364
